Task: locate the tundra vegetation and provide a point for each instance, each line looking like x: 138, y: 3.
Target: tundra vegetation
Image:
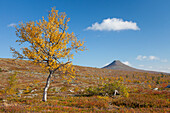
x: 76, y: 95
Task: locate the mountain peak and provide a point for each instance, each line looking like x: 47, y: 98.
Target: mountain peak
x: 117, y: 61
x: 118, y: 65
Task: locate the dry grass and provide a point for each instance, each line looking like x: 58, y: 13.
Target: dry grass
x: 62, y: 96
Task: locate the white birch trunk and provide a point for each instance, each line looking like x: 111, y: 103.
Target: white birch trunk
x: 46, y: 87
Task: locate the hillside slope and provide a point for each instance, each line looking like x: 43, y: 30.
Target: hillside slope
x: 117, y: 65
x: 26, y: 93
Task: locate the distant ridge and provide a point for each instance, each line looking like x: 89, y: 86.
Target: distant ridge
x: 117, y: 65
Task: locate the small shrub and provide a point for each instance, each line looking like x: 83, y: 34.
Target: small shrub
x: 63, y: 89
x: 137, y: 81
x: 28, y: 90
x: 108, y: 89
x: 12, y: 82
x: 158, y: 78
x: 149, y: 86
x: 157, y: 82
x: 153, y: 77
x: 0, y: 70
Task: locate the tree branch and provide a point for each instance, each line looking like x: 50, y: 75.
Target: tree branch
x: 62, y: 65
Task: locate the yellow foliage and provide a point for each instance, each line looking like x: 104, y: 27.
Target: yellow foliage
x: 149, y: 86
x: 129, y: 81
x: 50, y: 45
x: 27, y: 89
x: 12, y: 82
x: 103, y: 97
x: 121, y: 78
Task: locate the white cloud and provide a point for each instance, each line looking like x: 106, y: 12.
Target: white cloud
x: 126, y: 63
x: 153, y: 58
x: 12, y: 25
x: 155, y: 68
x: 140, y: 57
x: 163, y: 69
x: 114, y: 24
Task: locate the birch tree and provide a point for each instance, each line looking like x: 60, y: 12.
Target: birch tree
x: 48, y: 44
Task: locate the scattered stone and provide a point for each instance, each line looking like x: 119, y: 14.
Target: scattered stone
x: 82, y: 90
x: 116, y: 93
x: 71, y: 91
x: 72, y: 95
x: 33, y: 90
x: 20, y: 92
x: 74, y: 84
x: 34, y: 94
x: 28, y: 97
x: 4, y: 100
x: 106, y: 94
x: 155, y: 89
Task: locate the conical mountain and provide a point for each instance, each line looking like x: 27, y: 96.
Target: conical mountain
x: 117, y: 65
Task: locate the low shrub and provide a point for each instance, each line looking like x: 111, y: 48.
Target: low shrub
x: 108, y: 89
x: 144, y: 101
x: 12, y: 82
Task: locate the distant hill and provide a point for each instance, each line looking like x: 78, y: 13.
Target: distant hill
x: 117, y: 65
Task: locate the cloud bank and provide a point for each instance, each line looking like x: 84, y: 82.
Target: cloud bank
x: 158, y: 68
x: 127, y: 63
x: 12, y: 25
x: 140, y: 57
x: 114, y: 24
x: 150, y: 58
x: 155, y: 68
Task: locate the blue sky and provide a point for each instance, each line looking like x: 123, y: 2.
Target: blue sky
x: 136, y: 32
